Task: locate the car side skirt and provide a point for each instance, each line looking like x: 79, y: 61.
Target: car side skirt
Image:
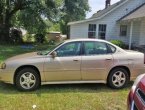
x: 73, y: 82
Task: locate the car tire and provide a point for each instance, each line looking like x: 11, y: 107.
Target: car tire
x: 118, y: 78
x: 27, y: 79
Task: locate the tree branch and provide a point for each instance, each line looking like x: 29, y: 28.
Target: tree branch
x: 18, y: 6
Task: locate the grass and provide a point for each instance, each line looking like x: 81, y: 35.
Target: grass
x: 59, y: 97
x: 7, y: 51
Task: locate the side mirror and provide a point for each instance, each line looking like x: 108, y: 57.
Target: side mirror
x: 54, y: 54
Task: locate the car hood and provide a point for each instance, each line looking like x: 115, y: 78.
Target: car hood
x: 26, y: 56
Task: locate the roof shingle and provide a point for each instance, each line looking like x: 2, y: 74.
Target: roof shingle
x: 139, y: 12
x: 101, y: 12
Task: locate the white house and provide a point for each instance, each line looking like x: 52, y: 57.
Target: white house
x: 124, y: 20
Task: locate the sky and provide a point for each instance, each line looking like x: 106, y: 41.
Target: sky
x: 97, y: 5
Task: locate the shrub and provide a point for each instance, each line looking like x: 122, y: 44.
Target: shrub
x: 16, y: 35
x: 28, y: 38
x: 118, y: 43
x: 39, y: 38
x: 52, y: 42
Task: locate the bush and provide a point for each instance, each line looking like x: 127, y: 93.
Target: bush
x: 16, y: 35
x: 39, y: 38
x: 51, y: 42
x: 28, y: 38
x: 118, y: 43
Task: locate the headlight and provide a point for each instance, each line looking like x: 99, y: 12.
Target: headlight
x: 137, y: 81
x: 2, y: 65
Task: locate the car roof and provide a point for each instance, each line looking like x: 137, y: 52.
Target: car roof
x: 73, y: 40
x: 100, y: 40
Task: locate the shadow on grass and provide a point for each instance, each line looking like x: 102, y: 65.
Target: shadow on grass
x: 63, y: 88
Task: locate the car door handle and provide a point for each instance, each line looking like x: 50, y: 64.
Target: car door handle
x: 75, y: 60
x: 108, y: 59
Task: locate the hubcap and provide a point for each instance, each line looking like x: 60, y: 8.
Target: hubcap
x: 27, y: 80
x: 119, y: 79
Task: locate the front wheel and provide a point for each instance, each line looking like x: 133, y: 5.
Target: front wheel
x: 27, y: 80
x: 118, y: 78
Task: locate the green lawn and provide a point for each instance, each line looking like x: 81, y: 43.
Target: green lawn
x: 59, y: 97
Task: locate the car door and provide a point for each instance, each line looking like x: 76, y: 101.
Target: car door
x: 66, y: 65
x: 96, y: 61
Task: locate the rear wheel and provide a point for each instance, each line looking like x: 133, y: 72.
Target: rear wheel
x: 27, y: 80
x: 118, y: 78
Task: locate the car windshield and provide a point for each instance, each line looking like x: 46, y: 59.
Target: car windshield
x: 46, y: 52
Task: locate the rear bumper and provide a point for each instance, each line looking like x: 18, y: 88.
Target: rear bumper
x: 6, y: 76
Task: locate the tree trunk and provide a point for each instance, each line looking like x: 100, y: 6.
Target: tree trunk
x: 5, y: 25
x: 4, y: 34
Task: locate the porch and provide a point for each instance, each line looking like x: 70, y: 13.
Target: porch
x: 136, y: 27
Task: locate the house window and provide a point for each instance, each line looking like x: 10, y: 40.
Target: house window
x: 102, y: 31
x: 123, y: 30
x: 92, y: 31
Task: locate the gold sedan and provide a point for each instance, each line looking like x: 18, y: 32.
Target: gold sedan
x: 74, y: 61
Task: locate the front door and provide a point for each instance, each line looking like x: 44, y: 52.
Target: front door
x: 96, y: 61
x: 66, y: 65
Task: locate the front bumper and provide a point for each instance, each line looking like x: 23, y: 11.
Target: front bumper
x: 130, y: 102
x: 6, y: 76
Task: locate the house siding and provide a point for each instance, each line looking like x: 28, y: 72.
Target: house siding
x: 113, y: 27
x: 78, y: 31
x: 136, y: 32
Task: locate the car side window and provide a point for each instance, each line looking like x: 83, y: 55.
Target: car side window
x: 95, y: 48
x: 89, y: 48
x: 112, y: 48
x: 69, y: 49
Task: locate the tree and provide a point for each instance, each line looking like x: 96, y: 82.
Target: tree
x: 30, y: 14
x: 73, y: 10
x: 36, y: 16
